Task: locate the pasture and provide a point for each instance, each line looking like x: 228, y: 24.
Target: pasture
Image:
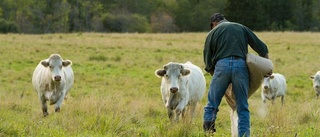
x: 117, y: 94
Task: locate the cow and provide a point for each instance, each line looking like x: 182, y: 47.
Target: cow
x: 52, y: 79
x: 316, y: 83
x: 182, y: 87
x: 273, y: 86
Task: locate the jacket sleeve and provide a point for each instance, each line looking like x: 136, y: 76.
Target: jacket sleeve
x: 208, y: 54
x: 256, y: 44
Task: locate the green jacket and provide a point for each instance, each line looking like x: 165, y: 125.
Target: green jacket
x: 230, y: 39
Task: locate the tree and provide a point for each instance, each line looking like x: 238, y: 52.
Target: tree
x: 307, y: 15
x: 162, y: 22
x: 279, y: 19
x: 243, y: 11
x: 63, y: 16
x: 125, y: 22
x: 194, y: 15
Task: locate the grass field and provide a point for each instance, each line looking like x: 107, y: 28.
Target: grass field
x: 117, y: 94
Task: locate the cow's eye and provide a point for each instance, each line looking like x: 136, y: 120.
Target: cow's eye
x: 50, y: 67
x: 165, y: 75
x: 179, y: 76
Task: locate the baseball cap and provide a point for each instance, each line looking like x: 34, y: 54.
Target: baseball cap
x: 216, y: 16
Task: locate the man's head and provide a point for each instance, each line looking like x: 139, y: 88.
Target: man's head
x: 215, y: 19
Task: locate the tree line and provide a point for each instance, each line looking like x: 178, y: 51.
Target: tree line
x: 155, y: 16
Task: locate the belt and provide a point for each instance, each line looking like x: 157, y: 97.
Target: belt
x: 235, y: 57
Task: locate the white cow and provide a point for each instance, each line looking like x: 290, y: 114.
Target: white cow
x: 273, y: 86
x: 183, y: 84
x: 52, y: 79
x: 316, y: 83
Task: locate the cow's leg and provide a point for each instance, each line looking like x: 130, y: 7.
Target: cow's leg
x: 263, y: 97
x: 183, y: 114
x: 178, y: 113
x: 170, y: 113
x: 44, y: 106
x: 192, y: 109
x: 181, y: 106
x: 282, y: 99
x: 272, y: 99
x: 59, y: 102
x: 234, y: 123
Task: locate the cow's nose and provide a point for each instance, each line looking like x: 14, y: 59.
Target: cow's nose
x: 57, y: 78
x: 173, y: 89
x: 265, y: 87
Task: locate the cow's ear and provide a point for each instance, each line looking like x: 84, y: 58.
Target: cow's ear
x: 45, y: 63
x: 160, y: 73
x: 165, y: 67
x: 312, y: 77
x: 185, y: 72
x: 66, y: 63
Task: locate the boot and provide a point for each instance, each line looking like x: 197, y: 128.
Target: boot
x: 208, y: 126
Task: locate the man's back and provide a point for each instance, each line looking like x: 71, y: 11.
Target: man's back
x: 229, y: 39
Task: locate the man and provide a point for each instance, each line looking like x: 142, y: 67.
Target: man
x: 225, y: 51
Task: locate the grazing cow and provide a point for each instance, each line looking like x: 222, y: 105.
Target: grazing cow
x: 183, y: 84
x: 316, y: 83
x: 52, y: 80
x: 273, y: 86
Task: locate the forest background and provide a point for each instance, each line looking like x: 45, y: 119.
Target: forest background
x: 154, y: 16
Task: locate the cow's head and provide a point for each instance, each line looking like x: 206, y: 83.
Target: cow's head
x: 55, y: 63
x: 172, y: 74
x: 316, y: 82
x: 266, y: 80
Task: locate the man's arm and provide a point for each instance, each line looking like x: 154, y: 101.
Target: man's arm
x: 208, y: 55
x: 256, y: 44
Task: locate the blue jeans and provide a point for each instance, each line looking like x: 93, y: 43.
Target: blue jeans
x: 230, y: 70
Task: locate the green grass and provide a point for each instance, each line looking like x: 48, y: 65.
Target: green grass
x: 117, y: 94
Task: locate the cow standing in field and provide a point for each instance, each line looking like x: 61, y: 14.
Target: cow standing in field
x: 273, y: 86
x: 316, y: 83
x: 182, y: 87
x: 52, y: 79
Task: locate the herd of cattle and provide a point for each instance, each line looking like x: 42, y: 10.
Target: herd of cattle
x: 183, y: 85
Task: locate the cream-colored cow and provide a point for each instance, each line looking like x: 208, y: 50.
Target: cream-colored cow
x: 316, y: 83
x: 183, y: 86
x: 52, y: 79
x: 273, y: 86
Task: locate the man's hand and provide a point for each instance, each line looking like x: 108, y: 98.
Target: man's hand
x: 270, y: 73
x: 266, y: 56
